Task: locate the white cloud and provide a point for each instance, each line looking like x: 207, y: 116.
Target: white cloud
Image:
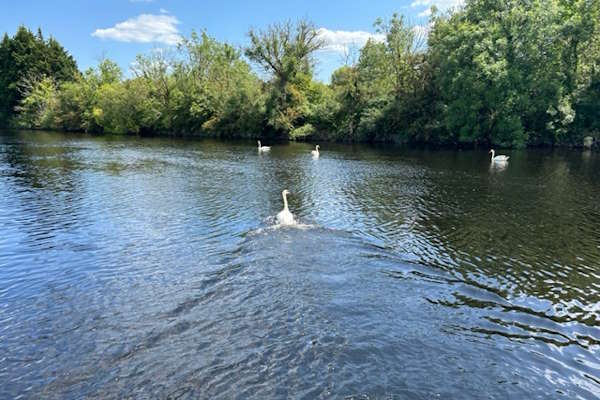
x: 341, y: 41
x: 145, y: 28
x: 441, y: 5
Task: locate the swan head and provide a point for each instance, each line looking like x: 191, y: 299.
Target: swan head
x: 285, y: 192
x: 317, y: 147
x: 258, y: 143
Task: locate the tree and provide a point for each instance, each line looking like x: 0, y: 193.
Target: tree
x: 507, y: 73
x: 31, y: 57
x: 404, y: 45
x: 154, y: 70
x: 381, y: 95
x: 37, y: 109
x: 285, y: 51
x: 217, y: 93
x: 510, y: 72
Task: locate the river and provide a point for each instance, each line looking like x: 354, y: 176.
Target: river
x: 152, y: 268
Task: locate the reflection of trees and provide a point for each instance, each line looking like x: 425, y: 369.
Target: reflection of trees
x: 526, y: 229
x: 42, y: 182
x: 531, y: 228
x: 39, y: 163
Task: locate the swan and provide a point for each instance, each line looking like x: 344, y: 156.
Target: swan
x: 263, y: 148
x: 496, y: 158
x: 285, y: 217
x: 315, y: 152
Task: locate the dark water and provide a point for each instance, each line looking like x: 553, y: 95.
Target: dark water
x: 135, y: 268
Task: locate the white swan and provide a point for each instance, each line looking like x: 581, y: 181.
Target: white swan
x: 496, y: 158
x: 262, y: 149
x: 285, y: 217
x: 315, y: 152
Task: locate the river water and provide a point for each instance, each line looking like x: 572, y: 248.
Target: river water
x: 152, y: 268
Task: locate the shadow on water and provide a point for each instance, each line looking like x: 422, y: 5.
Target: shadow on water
x: 150, y: 268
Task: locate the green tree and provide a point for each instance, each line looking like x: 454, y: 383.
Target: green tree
x: 37, y: 108
x: 26, y: 56
x: 381, y: 96
x: 286, y: 52
x: 222, y: 96
x: 510, y: 72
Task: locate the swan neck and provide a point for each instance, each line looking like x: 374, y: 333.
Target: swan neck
x: 493, y: 154
x: 285, y: 203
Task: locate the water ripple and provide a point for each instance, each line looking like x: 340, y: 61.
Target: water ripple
x: 153, y: 269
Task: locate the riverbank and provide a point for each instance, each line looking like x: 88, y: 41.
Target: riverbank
x: 312, y: 140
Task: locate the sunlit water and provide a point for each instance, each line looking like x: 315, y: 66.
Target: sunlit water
x: 146, y: 268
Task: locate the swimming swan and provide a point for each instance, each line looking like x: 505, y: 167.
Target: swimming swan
x: 496, y: 158
x: 263, y: 148
x: 285, y: 217
x: 315, y: 152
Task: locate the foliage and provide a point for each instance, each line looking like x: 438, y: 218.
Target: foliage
x: 27, y: 58
x: 379, y: 94
x: 206, y: 88
x: 285, y: 51
x: 510, y: 72
x: 38, y: 107
x: 494, y: 72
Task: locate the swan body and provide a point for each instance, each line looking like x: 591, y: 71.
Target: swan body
x: 499, y: 159
x: 262, y: 149
x: 285, y: 217
x: 315, y: 152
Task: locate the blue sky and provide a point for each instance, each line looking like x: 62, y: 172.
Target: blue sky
x: 120, y: 29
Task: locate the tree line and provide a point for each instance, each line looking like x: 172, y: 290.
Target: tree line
x: 510, y: 73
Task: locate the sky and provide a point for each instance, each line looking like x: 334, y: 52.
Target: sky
x: 121, y: 29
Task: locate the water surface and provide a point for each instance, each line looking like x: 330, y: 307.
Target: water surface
x: 151, y: 268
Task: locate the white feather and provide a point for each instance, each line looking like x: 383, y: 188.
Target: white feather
x: 315, y: 152
x: 262, y: 149
x: 285, y: 217
x: 499, y: 158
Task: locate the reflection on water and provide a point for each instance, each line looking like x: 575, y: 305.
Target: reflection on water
x: 498, y: 166
x: 150, y: 268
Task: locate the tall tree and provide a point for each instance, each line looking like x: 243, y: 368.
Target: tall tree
x: 29, y: 56
x: 285, y: 49
x: 510, y: 72
x: 286, y: 52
